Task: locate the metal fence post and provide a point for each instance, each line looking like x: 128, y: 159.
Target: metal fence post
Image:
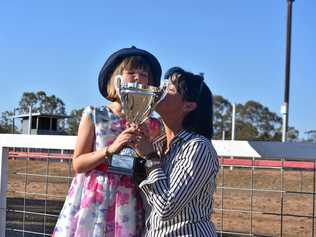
x: 3, y: 188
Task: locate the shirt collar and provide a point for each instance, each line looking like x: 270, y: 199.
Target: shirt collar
x: 180, y: 138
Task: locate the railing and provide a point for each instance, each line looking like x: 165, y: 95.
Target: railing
x: 34, y: 182
x: 263, y: 188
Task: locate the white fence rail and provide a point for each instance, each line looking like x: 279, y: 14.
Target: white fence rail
x: 230, y: 149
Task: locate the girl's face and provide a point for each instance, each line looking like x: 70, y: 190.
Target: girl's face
x: 136, y: 75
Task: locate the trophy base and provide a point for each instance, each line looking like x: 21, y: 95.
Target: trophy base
x: 126, y: 165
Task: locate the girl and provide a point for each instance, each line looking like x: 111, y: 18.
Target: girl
x: 100, y: 203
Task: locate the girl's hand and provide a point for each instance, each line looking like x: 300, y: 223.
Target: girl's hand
x: 143, y: 144
x: 125, y: 138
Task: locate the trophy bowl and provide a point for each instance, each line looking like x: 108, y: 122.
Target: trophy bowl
x: 138, y: 102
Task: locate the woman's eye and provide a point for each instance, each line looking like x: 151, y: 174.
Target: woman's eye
x: 171, y: 88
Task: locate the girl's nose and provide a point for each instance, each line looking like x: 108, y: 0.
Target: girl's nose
x: 136, y: 77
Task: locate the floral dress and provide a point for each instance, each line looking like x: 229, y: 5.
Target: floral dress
x: 98, y: 203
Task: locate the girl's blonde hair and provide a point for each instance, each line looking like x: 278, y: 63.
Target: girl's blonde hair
x: 128, y: 63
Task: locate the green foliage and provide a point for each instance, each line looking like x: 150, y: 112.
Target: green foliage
x: 292, y: 134
x: 245, y: 131
x: 73, y: 121
x: 41, y: 102
x: 311, y: 136
x: 6, y: 123
x: 267, y: 123
x: 221, y: 115
x: 253, y: 121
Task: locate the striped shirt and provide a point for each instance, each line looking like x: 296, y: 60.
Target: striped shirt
x: 180, y: 192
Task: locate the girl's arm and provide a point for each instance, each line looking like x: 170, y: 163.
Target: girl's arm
x: 84, y: 159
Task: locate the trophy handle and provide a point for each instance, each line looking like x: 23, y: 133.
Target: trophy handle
x: 117, y: 85
x: 163, y: 91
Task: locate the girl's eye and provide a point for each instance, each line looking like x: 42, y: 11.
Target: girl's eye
x: 144, y: 74
x: 129, y: 72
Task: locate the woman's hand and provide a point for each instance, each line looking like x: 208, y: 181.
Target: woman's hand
x: 125, y: 138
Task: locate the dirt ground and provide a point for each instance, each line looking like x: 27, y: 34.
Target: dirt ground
x: 250, y: 202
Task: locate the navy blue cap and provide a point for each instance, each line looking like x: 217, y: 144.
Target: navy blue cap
x: 116, y: 58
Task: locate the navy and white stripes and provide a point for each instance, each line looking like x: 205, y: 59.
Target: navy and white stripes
x: 181, y: 191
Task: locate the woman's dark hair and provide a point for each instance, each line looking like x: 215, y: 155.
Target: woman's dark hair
x: 192, y: 88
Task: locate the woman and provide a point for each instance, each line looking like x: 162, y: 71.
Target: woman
x: 182, y: 165
x: 100, y: 203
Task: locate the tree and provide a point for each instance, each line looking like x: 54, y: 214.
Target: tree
x: 6, y: 123
x: 40, y: 102
x: 221, y: 116
x: 292, y: 134
x: 28, y: 99
x: 267, y: 123
x: 311, y: 135
x: 245, y: 131
x: 73, y: 121
x: 253, y: 120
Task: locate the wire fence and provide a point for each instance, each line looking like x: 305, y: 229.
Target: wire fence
x: 258, y: 194
x: 265, y: 198
x: 37, y: 185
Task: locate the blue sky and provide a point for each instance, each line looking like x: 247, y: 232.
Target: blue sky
x: 60, y: 46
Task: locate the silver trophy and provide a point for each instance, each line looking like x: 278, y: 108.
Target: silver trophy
x: 138, y: 102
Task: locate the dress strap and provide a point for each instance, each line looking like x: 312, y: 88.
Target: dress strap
x: 89, y: 111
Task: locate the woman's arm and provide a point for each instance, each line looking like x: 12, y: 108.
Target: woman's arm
x: 193, y: 168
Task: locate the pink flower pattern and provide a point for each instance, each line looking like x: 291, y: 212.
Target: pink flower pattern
x: 100, y: 204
